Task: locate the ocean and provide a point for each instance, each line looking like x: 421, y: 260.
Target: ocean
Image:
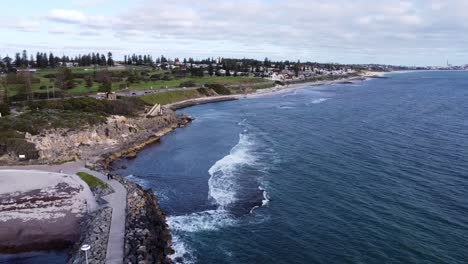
x: 374, y: 172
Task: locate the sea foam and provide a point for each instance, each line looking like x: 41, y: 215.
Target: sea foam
x: 320, y: 100
x: 222, y: 192
x: 222, y: 183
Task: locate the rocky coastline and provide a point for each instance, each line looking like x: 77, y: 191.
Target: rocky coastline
x: 147, y: 235
x: 95, y: 232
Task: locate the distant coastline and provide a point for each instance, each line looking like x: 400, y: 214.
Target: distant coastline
x: 133, y: 141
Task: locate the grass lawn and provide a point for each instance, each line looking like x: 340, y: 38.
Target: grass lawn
x: 200, y: 81
x: 45, y: 85
x: 170, y: 97
x: 92, y: 181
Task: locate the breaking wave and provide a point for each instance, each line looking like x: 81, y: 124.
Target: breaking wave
x: 320, y: 100
x: 222, y: 183
x: 138, y: 181
x: 223, y: 190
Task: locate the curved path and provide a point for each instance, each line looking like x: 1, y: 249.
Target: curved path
x: 117, y: 201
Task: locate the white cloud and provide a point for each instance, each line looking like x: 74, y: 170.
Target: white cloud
x: 67, y: 16
x: 334, y: 29
x: 88, y: 3
x: 59, y: 30
x: 27, y: 26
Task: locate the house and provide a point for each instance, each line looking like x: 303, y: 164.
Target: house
x: 111, y: 96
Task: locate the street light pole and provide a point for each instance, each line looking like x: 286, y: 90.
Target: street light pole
x: 85, y: 248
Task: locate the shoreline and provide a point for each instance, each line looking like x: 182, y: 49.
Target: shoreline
x: 105, y: 162
x: 277, y: 89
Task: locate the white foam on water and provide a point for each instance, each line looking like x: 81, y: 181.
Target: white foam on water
x: 181, y: 251
x: 211, y: 220
x: 241, y: 123
x: 266, y: 198
x: 320, y: 100
x: 285, y: 107
x: 222, y: 186
x: 137, y: 180
x: 265, y: 201
x: 222, y: 191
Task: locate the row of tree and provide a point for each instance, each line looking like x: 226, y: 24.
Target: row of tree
x: 43, y: 60
x: 138, y: 59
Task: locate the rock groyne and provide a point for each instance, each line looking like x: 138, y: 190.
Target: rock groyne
x: 147, y: 235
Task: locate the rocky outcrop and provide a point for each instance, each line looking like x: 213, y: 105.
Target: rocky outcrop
x: 95, y: 232
x: 147, y: 236
x: 117, y: 134
x: 41, y: 210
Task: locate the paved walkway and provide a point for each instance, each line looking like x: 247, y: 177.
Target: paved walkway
x: 117, y: 201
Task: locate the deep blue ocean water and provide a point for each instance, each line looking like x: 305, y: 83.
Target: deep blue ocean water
x: 374, y: 172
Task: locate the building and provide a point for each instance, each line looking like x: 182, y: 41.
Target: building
x: 111, y: 96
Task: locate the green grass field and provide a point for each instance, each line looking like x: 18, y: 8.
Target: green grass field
x: 45, y: 85
x: 170, y: 97
x: 92, y: 181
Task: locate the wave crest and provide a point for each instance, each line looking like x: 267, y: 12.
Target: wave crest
x: 222, y: 184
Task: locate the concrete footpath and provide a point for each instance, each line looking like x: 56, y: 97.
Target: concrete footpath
x: 117, y: 201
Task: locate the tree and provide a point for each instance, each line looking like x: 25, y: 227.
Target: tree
x: 51, y: 60
x: 93, y: 58
x: 88, y: 81
x: 18, y: 60
x: 3, y: 83
x: 25, y: 88
x: 64, y: 79
x: 110, y: 61
x: 103, y: 60
x: 210, y: 69
x: 106, y: 82
x: 24, y: 59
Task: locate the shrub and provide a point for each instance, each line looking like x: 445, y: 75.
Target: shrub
x: 50, y: 76
x: 4, y: 109
x: 219, y: 89
x: 124, y: 106
x: 14, y: 142
x: 188, y: 84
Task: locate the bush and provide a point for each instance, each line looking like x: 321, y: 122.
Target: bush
x: 204, y: 91
x: 50, y: 76
x: 188, y: 84
x: 13, y: 142
x: 4, y: 109
x: 219, y: 89
x: 124, y: 106
x: 167, y: 77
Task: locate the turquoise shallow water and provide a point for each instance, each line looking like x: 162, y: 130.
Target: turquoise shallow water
x: 374, y: 172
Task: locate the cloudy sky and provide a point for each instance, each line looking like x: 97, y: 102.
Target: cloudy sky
x: 406, y: 32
